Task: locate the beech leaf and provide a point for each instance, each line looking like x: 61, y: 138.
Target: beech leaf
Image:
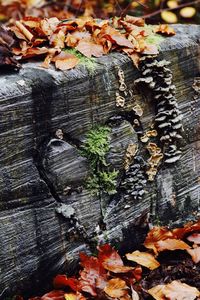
x: 116, y: 288
x: 143, y: 258
x: 171, y: 244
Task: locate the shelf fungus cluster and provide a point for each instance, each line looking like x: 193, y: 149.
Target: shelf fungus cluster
x: 168, y: 120
x: 134, y: 183
x: 155, y: 159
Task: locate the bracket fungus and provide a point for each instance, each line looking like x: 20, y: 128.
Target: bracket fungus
x: 134, y: 182
x: 168, y: 120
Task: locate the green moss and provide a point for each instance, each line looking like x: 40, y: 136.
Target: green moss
x: 153, y: 38
x: 89, y: 63
x: 95, y: 150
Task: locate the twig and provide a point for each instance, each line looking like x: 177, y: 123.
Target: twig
x: 157, y: 12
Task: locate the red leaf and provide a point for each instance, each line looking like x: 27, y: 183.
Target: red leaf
x: 61, y: 281
x: 93, y: 276
x: 111, y: 260
x: 88, y: 48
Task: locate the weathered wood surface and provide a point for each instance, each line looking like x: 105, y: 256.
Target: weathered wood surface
x: 36, y: 169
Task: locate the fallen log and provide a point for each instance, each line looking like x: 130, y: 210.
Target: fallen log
x: 47, y: 213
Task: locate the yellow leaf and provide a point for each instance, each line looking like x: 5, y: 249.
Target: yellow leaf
x: 188, y: 12
x: 157, y: 292
x: 143, y: 258
x: 169, y: 17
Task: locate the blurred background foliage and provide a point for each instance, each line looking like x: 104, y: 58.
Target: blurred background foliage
x: 154, y: 11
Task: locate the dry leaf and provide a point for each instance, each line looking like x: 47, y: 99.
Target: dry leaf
x: 195, y: 254
x: 143, y: 258
x: 116, y: 288
x: 157, y: 292
x: 164, y: 29
x: 65, y: 61
x: 171, y: 244
x: 177, y: 290
x: 88, y: 48
x: 195, y: 238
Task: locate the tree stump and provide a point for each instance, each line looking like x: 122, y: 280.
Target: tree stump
x: 47, y: 214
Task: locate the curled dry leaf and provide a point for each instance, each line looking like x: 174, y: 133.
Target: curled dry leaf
x: 143, y: 258
x: 171, y: 244
x: 195, y: 254
x: 116, y: 288
x: 164, y: 29
x: 180, y: 233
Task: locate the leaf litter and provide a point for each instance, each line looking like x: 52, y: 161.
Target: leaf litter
x: 167, y: 268
x: 49, y: 38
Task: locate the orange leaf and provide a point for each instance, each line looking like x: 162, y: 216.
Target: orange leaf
x: 195, y: 238
x: 188, y: 228
x: 171, y: 244
x: 145, y: 259
x: 88, y: 48
x: 177, y: 290
x: 195, y: 254
x: 72, y: 296
x: 65, y: 61
x: 116, y: 288
x: 111, y: 260
x: 164, y: 29
x: 115, y: 36
x: 155, y: 235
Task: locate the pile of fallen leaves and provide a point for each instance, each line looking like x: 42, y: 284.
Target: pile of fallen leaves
x: 51, y: 38
x: 167, y: 268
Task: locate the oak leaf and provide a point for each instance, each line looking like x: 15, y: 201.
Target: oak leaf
x: 143, y: 258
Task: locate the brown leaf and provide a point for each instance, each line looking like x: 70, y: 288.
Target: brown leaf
x: 195, y: 254
x: 116, y: 288
x: 134, y: 20
x: 115, y: 36
x: 143, y: 258
x: 88, y: 48
x: 171, y: 244
x: 164, y: 29
x: 65, y: 61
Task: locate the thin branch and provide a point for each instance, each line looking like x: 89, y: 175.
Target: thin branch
x: 157, y: 12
